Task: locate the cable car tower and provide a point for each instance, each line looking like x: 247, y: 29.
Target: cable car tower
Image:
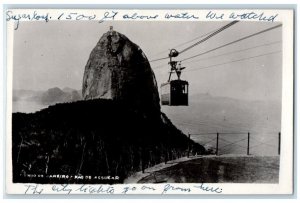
x: 175, y: 92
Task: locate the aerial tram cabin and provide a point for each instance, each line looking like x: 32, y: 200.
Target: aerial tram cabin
x: 175, y: 92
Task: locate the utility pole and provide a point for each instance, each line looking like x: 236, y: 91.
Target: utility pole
x: 189, y: 135
x: 217, y: 145
x: 248, y: 145
x: 279, y: 142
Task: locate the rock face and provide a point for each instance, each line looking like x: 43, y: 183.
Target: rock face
x: 117, y: 69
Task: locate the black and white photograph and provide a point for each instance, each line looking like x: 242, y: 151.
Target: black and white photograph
x: 146, y: 101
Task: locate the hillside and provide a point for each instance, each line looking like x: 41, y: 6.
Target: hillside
x: 95, y: 139
x: 219, y: 169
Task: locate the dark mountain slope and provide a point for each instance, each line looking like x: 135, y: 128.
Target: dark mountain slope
x: 92, y: 138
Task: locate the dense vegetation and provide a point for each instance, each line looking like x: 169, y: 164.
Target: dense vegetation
x: 94, y: 138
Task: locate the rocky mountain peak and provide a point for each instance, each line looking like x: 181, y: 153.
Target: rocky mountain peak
x: 117, y: 69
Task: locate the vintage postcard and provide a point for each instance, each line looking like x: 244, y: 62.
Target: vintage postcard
x: 110, y: 101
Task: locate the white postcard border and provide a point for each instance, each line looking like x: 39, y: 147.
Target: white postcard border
x: 285, y: 185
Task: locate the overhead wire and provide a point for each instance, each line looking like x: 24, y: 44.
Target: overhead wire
x: 233, y: 42
x: 210, y: 36
x: 225, y: 54
x: 233, y: 61
x: 201, y: 41
x: 233, y: 52
x: 158, y: 59
x: 183, y: 43
x: 241, y: 50
x: 233, y: 143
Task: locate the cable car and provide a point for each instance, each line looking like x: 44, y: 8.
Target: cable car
x: 175, y: 92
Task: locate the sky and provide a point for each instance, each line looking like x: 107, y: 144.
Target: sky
x: 54, y: 54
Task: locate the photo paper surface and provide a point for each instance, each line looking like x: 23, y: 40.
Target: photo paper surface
x: 149, y: 101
